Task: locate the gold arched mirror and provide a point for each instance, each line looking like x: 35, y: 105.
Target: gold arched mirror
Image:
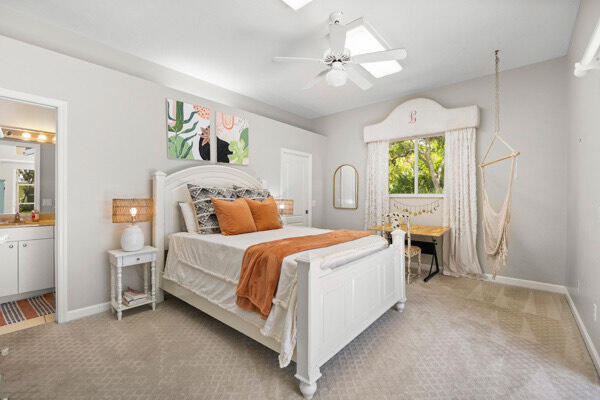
x: 345, y: 187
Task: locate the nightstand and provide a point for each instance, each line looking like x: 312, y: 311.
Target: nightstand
x: 120, y: 259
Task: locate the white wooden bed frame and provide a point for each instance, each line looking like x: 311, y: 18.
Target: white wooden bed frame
x: 334, y: 305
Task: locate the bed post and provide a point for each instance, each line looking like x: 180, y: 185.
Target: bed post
x: 158, y: 227
x: 307, y: 323
x: 400, y: 263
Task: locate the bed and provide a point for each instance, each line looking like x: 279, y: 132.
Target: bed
x: 325, y: 297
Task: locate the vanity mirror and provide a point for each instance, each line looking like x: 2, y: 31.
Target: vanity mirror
x: 345, y: 187
x: 19, y: 177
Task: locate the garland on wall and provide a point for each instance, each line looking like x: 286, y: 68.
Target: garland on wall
x: 418, y: 209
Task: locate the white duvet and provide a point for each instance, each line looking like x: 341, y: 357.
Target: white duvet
x: 209, y: 265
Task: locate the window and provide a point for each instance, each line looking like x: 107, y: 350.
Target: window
x: 417, y: 166
x: 25, y: 190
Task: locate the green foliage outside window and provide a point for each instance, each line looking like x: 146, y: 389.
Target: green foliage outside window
x: 25, y: 190
x: 430, y: 168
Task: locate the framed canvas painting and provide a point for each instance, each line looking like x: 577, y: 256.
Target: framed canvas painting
x: 232, y: 139
x: 188, y: 131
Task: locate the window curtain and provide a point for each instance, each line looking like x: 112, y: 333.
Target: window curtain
x: 460, y: 205
x: 377, y: 196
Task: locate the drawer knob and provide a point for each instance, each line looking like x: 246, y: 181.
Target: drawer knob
x: 24, y: 244
x: 138, y: 259
x: 10, y: 246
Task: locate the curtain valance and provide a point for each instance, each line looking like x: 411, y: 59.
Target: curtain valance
x: 421, y: 117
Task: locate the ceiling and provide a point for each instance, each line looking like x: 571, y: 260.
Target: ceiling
x: 230, y: 43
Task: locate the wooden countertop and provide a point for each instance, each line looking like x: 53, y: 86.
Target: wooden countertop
x: 423, y: 230
x: 42, y: 222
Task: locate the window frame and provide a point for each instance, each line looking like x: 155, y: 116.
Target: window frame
x: 416, y: 169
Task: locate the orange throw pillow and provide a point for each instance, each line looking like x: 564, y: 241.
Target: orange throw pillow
x: 264, y: 213
x: 234, y: 216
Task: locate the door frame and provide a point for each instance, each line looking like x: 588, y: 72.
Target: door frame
x: 60, y: 228
x: 310, y: 183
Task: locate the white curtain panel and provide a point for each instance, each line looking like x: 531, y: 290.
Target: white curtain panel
x: 377, y: 197
x: 460, y: 205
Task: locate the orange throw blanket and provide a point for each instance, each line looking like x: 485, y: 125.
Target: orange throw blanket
x: 261, y: 266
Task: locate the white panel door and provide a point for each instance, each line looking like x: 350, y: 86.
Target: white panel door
x: 296, y: 184
x: 9, y: 270
x: 36, y: 265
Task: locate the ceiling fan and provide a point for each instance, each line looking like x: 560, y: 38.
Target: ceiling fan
x: 339, y: 60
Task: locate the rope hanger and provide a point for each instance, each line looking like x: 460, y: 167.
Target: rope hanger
x: 514, y: 153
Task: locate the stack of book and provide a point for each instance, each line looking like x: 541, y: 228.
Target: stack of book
x: 131, y: 297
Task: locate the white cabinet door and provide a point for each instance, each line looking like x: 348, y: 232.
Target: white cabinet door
x: 36, y: 264
x: 9, y: 276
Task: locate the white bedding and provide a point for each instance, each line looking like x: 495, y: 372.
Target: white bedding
x: 210, y: 265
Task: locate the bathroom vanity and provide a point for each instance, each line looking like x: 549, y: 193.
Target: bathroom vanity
x: 26, y: 257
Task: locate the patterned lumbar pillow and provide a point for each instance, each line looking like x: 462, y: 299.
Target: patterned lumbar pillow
x: 205, y: 212
x: 251, y: 193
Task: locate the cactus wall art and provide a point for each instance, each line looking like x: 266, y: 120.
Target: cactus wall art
x: 232, y: 139
x: 188, y: 131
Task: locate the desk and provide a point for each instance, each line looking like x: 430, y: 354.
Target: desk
x: 434, y: 232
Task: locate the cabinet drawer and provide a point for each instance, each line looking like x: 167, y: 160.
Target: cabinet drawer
x: 26, y: 233
x: 138, y: 259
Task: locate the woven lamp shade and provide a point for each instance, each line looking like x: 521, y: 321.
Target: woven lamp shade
x: 121, y: 210
x: 285, y: 207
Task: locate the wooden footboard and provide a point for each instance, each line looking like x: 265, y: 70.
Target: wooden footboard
x: 335, y: 306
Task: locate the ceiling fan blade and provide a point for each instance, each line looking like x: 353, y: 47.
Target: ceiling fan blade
x: 320, y: 76
x: 386, y: 55
x: 337, y: 38
x: 358, y: 79
x: 298, y: 59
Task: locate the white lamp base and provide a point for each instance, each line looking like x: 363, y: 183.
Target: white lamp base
x: 132, y: 238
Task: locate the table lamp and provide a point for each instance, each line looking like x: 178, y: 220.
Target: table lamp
x: 132, y: 210
x: 285, y: 207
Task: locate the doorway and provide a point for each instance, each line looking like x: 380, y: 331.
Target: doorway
x: 296, y: 185
x: 47, y: 196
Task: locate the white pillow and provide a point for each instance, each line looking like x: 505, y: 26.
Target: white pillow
x: 189, y: 216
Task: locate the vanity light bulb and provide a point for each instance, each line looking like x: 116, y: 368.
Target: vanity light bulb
x: 42, y: 138
x: 26, y: 135
x: 133, y: 211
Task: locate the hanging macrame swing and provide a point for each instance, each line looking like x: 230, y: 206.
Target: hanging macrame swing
x: 496, y: 224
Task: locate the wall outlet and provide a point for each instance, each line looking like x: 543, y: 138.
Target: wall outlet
x: 595, y: 312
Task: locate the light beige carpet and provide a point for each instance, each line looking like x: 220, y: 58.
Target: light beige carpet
x: 457, y: 339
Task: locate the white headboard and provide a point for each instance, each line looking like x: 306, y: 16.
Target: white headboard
x: 169, y: 190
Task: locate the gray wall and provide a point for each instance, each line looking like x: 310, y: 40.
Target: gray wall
x: 583, y: 232
x: 117, y: 138
x: 47, y: 176
x: 533, y: 105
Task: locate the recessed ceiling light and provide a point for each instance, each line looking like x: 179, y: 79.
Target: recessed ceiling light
x: 296, y: 4
x: 363, y: 39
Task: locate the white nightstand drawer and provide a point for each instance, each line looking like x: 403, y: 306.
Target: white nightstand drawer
x: 138, y: 259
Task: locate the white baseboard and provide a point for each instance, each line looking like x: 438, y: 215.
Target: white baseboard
x: 584, y: 333
x: 87, y: 311
x: 548, y: 287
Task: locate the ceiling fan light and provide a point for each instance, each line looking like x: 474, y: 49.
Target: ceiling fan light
x: 336, y: 76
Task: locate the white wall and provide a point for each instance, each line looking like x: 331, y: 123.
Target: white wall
x: 27, y: 116
x: 117, y: 138
x: 533, y: 103
x: 583, y: 146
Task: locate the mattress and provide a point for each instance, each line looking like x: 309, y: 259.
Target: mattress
x: 210, y: 264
